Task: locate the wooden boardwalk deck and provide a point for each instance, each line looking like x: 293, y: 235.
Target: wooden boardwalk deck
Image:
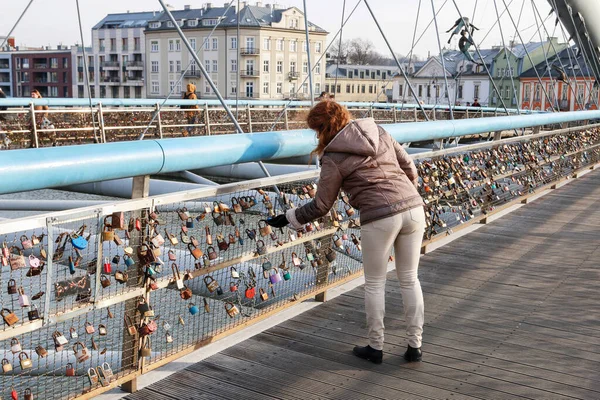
x: 511, y: 312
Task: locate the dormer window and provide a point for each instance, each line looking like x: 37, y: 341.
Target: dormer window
x: 210, y: 22
x: 193, y: 22
x: 169, y: 24
x: 155, y: 24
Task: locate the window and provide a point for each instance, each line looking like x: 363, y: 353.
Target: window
x: 64, y: 77
x: 101, y: 42
x: 54, y: 62
x: 169, y: 24
x: 233, y: 87
x: 580, y: 92
x: 565, y: 91
x: 437, y: 91
x: 317, y: 87
x: 171, y: 86
x: 215, y: 66
x: 428, y: 90
x: 292, y: 66
x: 125, y: 44
x: 305, y: 88
x: 526, y: 90
x: 305, y: 67
x: 420, y: 90
x: 363, y: 88
x: 370, y: 88
x: 279, y: 67
x: 318, y: 47
x: 234, y: 43
x: 209, y: 22
x: 318, y: 68
x: 207, y: 88
x: 293, y: 23
x: 266, y: 44
x: 460, y: 91
x: 476, y: 91
x: 154, y: 24
x: 304, y: 47
x: 171, y: 45
x: 250, y: 43
x: 293, y: 46
x: 326, y: 87
x: 155, y: 66
x: 347, y: 88
x: 192, y: 22
x: 266, y: 66
x: 279, y: 45
x: 178, y: 45
x: 154, y: 46
x: 339, y: 88
x: 215, y: 43
x: 171, y: 66
x: 53, y: 77
x: 53, y: 91
x: 266, y: 88
x: 279, y: 87
x: 193, y: 43
x: 65, y: 63
x: 178, y: 66
x: 233, y: 65
x: 113, y: 44
x: 206, y: 44
x: 178, y: 88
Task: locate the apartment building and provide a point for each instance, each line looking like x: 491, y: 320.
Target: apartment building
x: 48, y: 70
x: 6, y: 73
x: 360, y: 82
x: 118, y: 58
x: 273, y: 58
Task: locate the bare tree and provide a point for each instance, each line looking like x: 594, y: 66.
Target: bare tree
x: 362, y: 52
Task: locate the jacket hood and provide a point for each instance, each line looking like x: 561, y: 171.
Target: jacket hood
x: 360, y: 137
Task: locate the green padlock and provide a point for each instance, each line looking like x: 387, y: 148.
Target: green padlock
x: 266, y: 265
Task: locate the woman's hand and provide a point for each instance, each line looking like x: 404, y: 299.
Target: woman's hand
x: 278, y: 221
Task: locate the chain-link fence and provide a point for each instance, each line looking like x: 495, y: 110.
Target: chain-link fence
x: 93, y: 297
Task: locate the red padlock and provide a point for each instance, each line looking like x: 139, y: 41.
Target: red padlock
x: 138, y: 224
x: 233, y: 287
x: 250, y: 292
x: 14, y: 395
x: 107, y: 266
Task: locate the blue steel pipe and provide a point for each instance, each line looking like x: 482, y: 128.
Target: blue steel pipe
x: 24, y: 102
x: 30, y: 169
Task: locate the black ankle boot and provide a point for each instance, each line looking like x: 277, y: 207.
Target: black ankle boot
x: 369, y: 353
x: 413, y: 354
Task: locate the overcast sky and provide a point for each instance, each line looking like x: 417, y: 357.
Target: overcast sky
x: 49, y: 23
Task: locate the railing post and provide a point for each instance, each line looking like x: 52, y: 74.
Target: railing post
x: 206, y: 120
x: 34, y: 132
x: 434, y: 113
x: 394, y: 115
x: 160, y: 130
x: 140, y: 189
x: 415, y: 112
x: 371, y: 112
x: 467, y: 112
x: 101, y: 122
x: 249, y: 118
x: 285, y: 116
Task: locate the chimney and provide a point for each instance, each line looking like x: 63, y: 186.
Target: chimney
x: 187, y: 7
x: 208, y: 6
x: 11, y: 42
x: 259, y: 4
x: 243, y: 4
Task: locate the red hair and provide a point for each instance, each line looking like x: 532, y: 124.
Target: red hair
x: 327, y: 118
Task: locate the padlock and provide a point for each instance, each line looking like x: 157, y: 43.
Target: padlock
x: 157, y: 240
x: 129, y: 325
x: 177, y: 276
x: 94, y: 345
x: 261, y: 249
x: 172, y: 238
x: 265, y: 228
x: 121, y: 276
x: 231, y: 309
x: 286, y: 274
x: 197, y: 252
x: 172, y: 255
x: 104, y: 281
x: 211, y: 283
x: 266, y: 265
x: 23, y: 298
x: 6, y: 365
x: 102, y: 331
x: 234, y: 273
x: 71, y: 265
x: 181, y: 321
x: 34, y: 262
x: 212, y: 254
x: 206, y: 305
x: 40, y: 351
x: 12, y: 286
x: 233, y: 286
x: 194, y: 241
x: 297, y: 261
x: 70, y: 371
x: 330, y: 255
x: 357, y: 242
x: 193, y: 309
x: 263, y: 295
x: 15, y: 346
x: 183, y: 213
x: 251, y: 233
x: 73, y: 333
x: 150, y: 271
x: 205, y: 261
x: 16, y: 261
x: 9, y: 317
x: 168, y: 338
x: 128, y: 260
x: 107, y: 267
x: 117, y: 240
x: 338, y: 242
x: 25, y: 361
x: 275, y: 277
x: 89, y: 328
x: 250, y: 292
x: 26, y: 242
x: 93, y: 377
x: 108, y: 235
x: 232, y: 239
x: 237, y: 208
x: 349, y: 210
x: 33, y: 314
x: 128, y: 251
x: 138, y: 224
x: 14, y: 395
x: 116, y: 259
x: 186, y: 293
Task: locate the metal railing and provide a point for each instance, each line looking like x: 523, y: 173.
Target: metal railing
x: 134, y: 64
x: 249, y: 51
x: 249, y: 72
x: 110, y: 64
x: 192, y: 267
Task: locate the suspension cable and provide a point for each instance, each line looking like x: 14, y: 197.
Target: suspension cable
x: 505, y: 51
x: 237, y: 60
x: 443, y: 61
x: 86, y: 72
x: 337, y: 68
x: 157, y: 112
x: 15, y: 25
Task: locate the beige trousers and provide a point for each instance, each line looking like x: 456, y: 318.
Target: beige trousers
x: 404, y: 231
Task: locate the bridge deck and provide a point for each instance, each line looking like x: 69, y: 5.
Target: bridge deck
x: 511, y: 312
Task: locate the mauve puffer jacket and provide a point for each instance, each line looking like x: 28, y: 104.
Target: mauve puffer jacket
x: 371, y: 167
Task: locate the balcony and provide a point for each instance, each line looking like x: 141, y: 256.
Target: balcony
x: 110, y: 64
x: 40, y: 66
x: 192, y: 74
x: 111, y: 80
x: 134, y: 81
x: 250, y: 95
x: 249, y: 51
x: 134, y: 65
x: 293, y: 75
x: 252, y: 73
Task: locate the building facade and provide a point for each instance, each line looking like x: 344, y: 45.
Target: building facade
x: 467, y: 81
x: 118, y: 58
x: 6, y: 74
x: 577, y: 92
x: 512, y: 61
x: 273, y: 58
x: 360, y: 82
x: 49, y: 71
